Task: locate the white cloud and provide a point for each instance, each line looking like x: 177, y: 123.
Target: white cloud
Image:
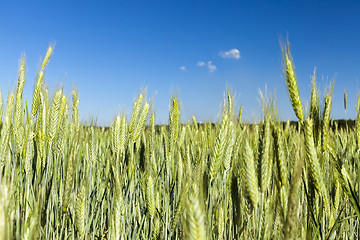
x: 233, y: 53
x: 182, y: 68
x: 200, y: 63
x: 211, y: 66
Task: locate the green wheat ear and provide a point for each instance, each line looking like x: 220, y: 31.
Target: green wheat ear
x: 40, y: 82
x: 220, y: 227
x: 18, y: 124
x: 219, y: 148
x: 230, y: 99
x: 293, y: 199
x: 150, y: 196
x: 75, y: 112
x: 240, y: 114
x: 141, y: 123
x: 80, y: 209
x: 280, y: 155
x: 311, y: 157
x: 5, y: 129
x: 251, y: 180
x: 291, y: 82
x: 55, y: 114
x: 194, y: 219
x: 264, y: 163
x: 174, y: 118
x: 345, y: 99
x: 228, y: 153
x: 315, y: 109
x: 47, y: 56
x: 68, y: 186
x: 312, y: 161
x: 36, y: 95
x: 118, y: 211
x: 326, y: 117
x: 135, y: 113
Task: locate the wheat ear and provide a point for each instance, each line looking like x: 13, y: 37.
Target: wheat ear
x: 135, y: 113
x: 251, y: 180
x: 80, y: 209
x: 47, y: 56
x: 118, y: 211
x: 5, y: 129
x: 326, y: 117
x: 18, y: 127
x: 315, y: 109
x: 291, y: 82
x: 220, y: 145
x: 194, y: 219
x: 150, y: 197
x: 280, y: 155
x: 293, y: 199
x: 264, y: 163
x: 313, y: 164
x: 75, y: 113
x: 36, y: 95
x: 54, y: 118
x: 345, y: 99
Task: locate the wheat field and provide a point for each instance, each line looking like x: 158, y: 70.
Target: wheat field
x: 60, y: 179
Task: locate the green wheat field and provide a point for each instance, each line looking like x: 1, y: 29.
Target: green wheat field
x: 135, y: 180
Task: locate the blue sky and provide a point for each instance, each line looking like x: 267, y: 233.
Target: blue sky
x: 112, y: 50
